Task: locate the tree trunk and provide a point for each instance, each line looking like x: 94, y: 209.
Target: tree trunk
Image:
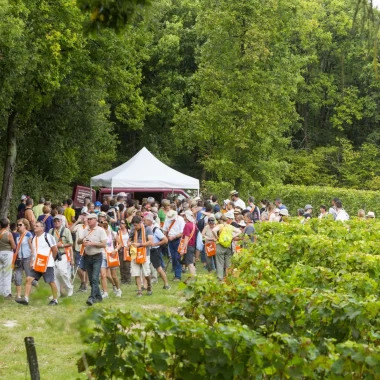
x: 9, y: 166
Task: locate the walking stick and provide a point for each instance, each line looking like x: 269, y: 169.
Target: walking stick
x: 76, y: 271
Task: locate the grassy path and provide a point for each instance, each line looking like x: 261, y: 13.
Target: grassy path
x: 54, y: 328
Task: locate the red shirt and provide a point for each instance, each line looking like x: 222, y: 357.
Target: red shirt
x: 187, y: 232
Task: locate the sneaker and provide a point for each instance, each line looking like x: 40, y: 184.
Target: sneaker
x: 139, y: 293
x: 82, y: 288
x: 90, y: 302
x: 114, y: 289
x: 53, y: 303
x: 118, y: 293
x: 176, y: 279
x: 70, y: 292
x: 105, y: 295
x: 167, y: 287
x: 149, y: 292
x: 22, y: 301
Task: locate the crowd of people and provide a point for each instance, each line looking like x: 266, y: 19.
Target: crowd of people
x: 121, y: 241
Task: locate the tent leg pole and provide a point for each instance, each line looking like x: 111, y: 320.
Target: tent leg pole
x: 112, y: 192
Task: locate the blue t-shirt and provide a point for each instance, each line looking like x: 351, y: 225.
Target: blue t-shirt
x: 49, y: 222
x: 24, y: 251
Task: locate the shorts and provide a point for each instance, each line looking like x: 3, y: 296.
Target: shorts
x: 189, y: 256
x: 138, y: 270
x: 25, y: 266
x: 155, y: 257
x: 104, y: 265
x: 48, y: 275
x: 79, y: 259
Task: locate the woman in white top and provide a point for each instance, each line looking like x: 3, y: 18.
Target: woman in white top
x: 125, y: 265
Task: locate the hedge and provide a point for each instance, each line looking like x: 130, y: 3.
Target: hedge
x: 295, y: 197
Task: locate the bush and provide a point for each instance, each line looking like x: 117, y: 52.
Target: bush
x: 295, y: 197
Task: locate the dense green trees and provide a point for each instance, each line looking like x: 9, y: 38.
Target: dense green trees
x: 244, y: 93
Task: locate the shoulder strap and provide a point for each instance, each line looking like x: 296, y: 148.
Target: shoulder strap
x: 171, y: 225
x: 61, y: 233
x: 154, y: 229
x: 47, y: 240
x: 46, y: 216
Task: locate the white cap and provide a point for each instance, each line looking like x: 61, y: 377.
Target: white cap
x: 370, y: 214
x: 229, y: 214
x: 189, y: 216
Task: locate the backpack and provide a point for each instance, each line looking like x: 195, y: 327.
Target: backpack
x: 201, y: 224
x: 225, y: 237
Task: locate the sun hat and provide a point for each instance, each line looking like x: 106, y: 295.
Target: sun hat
x: 284, y: 212
x: 308, y: 207
x: 234, y: 192
x: 277, y: 210
x: 229, y: 215
x: 226, y: 201
x: 171, y: 215
x: 370, y: 214
x: 189, y: 216
x: 93, y: 216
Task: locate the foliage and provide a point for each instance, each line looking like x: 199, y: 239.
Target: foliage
x: 111, y: 13
x: 295, y: 197
x: 302, y: 303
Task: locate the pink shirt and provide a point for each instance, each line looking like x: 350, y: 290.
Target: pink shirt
x: 187, y: 232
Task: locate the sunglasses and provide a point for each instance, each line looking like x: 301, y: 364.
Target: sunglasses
x: 19, y: 225
x: 211, y: 221
x: 122, y: 223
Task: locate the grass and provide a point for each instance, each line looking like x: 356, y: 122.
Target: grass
x: 54, y: 330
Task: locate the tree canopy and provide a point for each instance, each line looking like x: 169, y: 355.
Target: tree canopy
x: 241, y: 94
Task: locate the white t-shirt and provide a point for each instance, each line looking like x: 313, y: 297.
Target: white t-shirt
x: 177, y: 227
x: 125, y: 237
x: 240, y: 203
x: 157, y: 236
x: 79, y: 230
x: 42, y: 247
x: 342, y: 216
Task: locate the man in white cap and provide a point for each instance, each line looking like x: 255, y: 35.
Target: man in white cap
x: 21, y: 207
x: 370, y: 215
x: 189, y: 235
x: 94, y: 242
x: 237, y: 201
x: 173, y: 228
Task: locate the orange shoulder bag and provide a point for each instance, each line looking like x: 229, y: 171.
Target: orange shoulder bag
x: 141, y: 251
x: 126, y: 255
x: 181, y: 248
x: 41, y: 261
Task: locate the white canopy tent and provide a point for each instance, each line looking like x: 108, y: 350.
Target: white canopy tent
x: 144, y: 170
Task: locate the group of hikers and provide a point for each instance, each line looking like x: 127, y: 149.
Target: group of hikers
x: 120, y: 239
